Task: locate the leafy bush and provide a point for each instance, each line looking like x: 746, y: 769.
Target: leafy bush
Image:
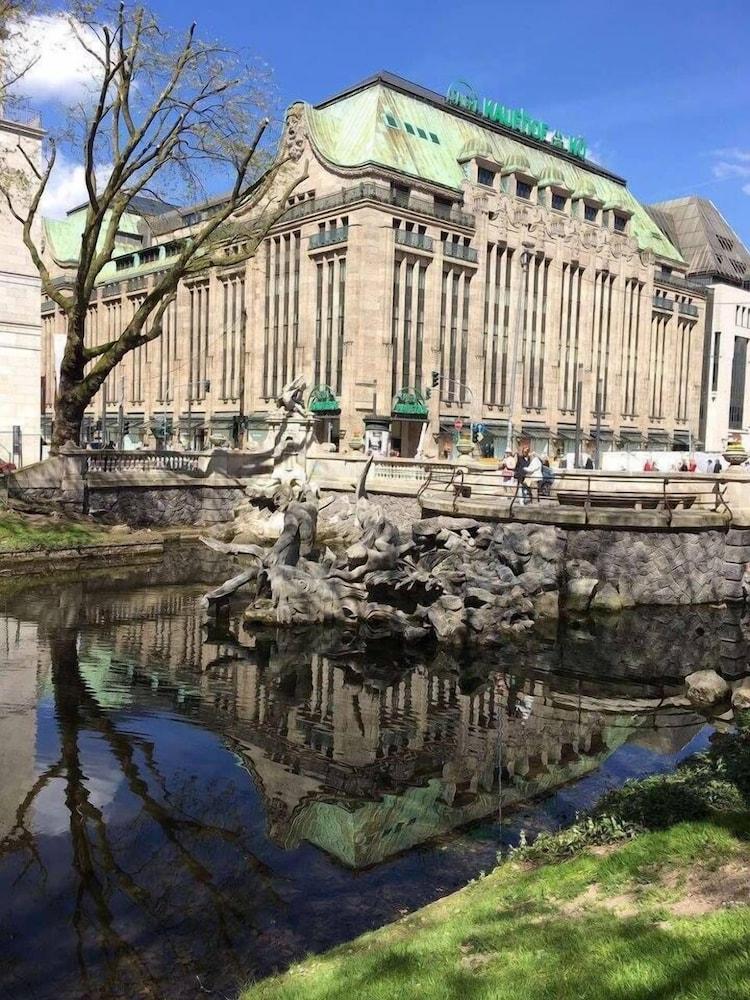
x: 589, y: 831
x: 717, y: 780
x: 714, y: 781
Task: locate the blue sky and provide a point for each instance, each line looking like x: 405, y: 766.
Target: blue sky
x: 660, y: 91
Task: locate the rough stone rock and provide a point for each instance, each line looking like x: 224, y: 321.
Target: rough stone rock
x: 606, y: 598
x: 547, y: 543
x: 706, y: 688
x: 223, y: 532
x: 741, y: 695
x: 579, y: 593
x: 734, y: 571
x: 547, y: 604
x: 577, y: 569
x: 429, y: 528
x: 448, y: 618
x: 477, y: 596
x: 513, y: 538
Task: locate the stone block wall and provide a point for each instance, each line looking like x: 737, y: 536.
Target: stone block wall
x: 166, y: 506
x: 650, y: 567
x: 736, y: 558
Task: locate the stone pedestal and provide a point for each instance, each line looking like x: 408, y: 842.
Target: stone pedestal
x: 289, y: 438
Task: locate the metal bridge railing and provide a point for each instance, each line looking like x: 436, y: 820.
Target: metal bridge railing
x: 585, y: 489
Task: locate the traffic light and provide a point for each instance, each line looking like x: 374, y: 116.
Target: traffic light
x: 435, y: 380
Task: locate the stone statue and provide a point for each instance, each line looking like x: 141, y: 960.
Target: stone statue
x: 292, y: 397
x: 456, y: 579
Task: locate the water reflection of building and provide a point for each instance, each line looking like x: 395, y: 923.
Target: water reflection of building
x: 361, y: 758
x: 24, y: 668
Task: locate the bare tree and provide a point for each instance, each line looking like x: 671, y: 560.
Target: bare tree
x: 165, y: 118
x: 13, y: 66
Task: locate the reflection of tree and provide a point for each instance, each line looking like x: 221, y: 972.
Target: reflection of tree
x: 148, y: 881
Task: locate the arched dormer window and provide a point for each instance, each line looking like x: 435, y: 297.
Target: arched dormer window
x: 616, y: 215
x: 587, y: 204
x: 519, y: 179
x: 553, y: 191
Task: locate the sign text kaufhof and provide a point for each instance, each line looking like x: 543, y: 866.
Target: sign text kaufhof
x: 462, y: 95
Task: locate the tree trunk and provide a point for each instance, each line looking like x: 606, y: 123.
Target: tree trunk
x: 69, y: 412
x: 72, y: 396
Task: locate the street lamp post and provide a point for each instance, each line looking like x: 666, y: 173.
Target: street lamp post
x: 598, y: 422
x: 522, y: 282
x: 579, y: 393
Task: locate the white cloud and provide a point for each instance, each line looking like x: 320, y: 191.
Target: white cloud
x: 67, y: 187
x: 732, y: 164
x: 61, y: 69
x: 733, y: 153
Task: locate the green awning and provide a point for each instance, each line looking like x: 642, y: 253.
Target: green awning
x: 409, y: 403
x: 323, y: 402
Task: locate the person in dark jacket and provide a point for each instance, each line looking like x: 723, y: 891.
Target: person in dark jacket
x: 519, y: 474
x: 548, y: 477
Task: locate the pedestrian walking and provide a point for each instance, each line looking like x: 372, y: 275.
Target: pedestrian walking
x: 519, y: 473
x: 533, y: 476
x: 548, y: 477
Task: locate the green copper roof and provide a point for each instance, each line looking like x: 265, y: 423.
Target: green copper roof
x: 352, y: 131
x: 64, y: 235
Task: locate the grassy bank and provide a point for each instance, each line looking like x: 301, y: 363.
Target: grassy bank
x: 609, y: 910
x: 19, y: 533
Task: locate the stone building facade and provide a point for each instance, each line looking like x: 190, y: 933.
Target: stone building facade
x: 717, y: 258
x: 435, y: 267
x: 20, y: 325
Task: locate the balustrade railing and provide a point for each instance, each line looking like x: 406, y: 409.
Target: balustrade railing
x: 417, y: 240
x: 460, y: 252
x: 141, y: 461
x: 369, y: 191
x: 687, y: 309
x: 329, y: 237
x: 663, y: 303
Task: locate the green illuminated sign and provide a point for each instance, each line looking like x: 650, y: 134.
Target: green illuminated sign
x: 463, y: 95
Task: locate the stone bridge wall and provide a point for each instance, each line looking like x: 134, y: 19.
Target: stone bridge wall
x: 163, y: 506
x: 645, y: 567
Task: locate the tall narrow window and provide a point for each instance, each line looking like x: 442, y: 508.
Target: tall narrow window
x: 318, y: 321
x: 276, y: 296
x: 285, y: 374
x: 464, y: 338
x: 455, y: 279
x: 395, y: 313
x: 420, y: 326
x: 737, y: 390
x: 715, y: 362
x: 341, y: 321
x: 406, y: 347
x: 267, y: 324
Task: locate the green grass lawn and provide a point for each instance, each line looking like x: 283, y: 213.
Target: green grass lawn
x: 597, y: 927
x: 647, y: 899
x: 19, y: 533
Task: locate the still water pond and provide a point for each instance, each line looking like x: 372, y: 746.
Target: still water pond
x: 183, y: 809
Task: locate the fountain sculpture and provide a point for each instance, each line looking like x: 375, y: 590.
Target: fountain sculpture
x: 455, y: 578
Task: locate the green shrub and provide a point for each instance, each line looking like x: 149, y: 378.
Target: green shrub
x: 716, y: 781
x: 589, y: 831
